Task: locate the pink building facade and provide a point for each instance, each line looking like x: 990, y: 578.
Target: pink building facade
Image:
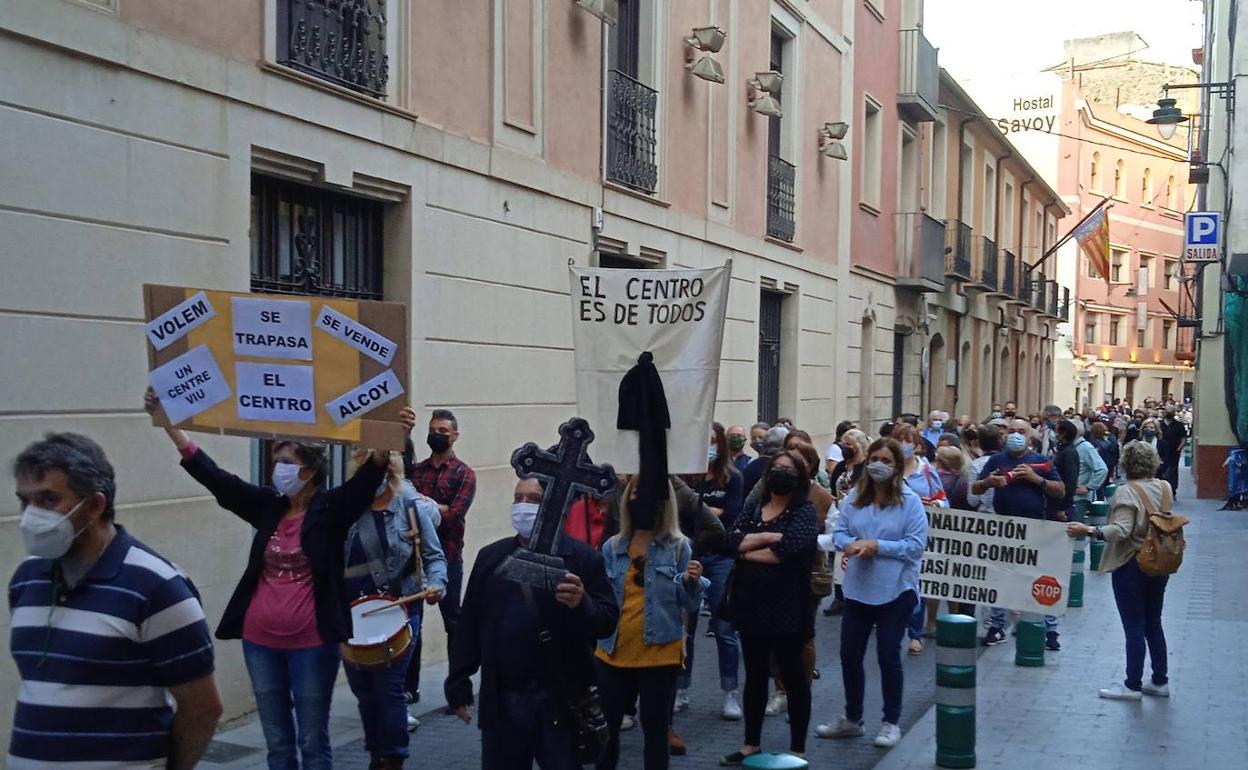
x: 1127, y: 340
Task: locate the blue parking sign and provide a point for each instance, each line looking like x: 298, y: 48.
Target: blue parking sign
x: 1202, y: 232
x: 1203, y: 228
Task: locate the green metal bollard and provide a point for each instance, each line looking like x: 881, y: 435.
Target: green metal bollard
x: 1187, y: 452
x: 955, y: 691
x: 1076, y: 577
x: 775, y: 760
x: 1029, y: 643
x: 1094, y: 557
x: 1110, y: 489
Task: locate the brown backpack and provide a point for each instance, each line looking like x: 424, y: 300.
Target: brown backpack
x: 1162, y: 551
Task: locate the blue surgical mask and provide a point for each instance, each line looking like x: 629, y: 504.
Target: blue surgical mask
x: 286, y: 479
x: 1016, y: 442
x: 712, y: 453
x: 938, y: 424
x: 996, y: 415
x: 907, y: 449
x: 1149, y: 434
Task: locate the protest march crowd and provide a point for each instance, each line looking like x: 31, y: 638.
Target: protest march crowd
x: 774, y: 532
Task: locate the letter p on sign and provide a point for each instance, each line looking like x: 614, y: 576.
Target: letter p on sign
x: 1202, y: 228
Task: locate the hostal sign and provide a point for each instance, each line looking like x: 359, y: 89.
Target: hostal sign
x: 1030, y: 119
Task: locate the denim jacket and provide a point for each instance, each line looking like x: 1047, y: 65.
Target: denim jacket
x: 399, y: 546
x: 667, y: 595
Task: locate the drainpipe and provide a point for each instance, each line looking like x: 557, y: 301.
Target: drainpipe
x: 1022, y: 193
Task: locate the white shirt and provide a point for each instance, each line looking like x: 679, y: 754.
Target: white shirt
x: 835, y: 454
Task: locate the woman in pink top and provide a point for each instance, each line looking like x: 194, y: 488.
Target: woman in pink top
x: 290, y: 607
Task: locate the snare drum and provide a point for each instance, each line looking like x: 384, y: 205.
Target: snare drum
x: 379, y: 639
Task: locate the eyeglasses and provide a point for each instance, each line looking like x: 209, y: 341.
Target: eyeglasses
x: 639, y: 571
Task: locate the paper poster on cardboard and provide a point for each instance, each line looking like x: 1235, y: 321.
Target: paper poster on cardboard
x: 357, y: 335
x: 179, y: 321
x: 272, y: 328
x: 189, y: 384
x: 357, y: 402
x: 1002, y: 561
x: 275, y: 392
x: 676, y: 315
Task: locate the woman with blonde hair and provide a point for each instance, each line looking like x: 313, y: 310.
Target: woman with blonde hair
x: 656, y: 582
x: 380, y: 559
x: 882, y: 527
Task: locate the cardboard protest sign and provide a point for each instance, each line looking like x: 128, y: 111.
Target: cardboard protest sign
x: 1002, y: 561
x: 678, y: 316
x: 269, y: 365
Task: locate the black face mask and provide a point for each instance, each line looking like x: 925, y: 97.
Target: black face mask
x: 781, y: 483
x: 757, y: 446
x: 438, y: 442
x: 847, y: 452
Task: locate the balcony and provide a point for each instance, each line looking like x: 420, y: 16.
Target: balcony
x: 1009, y: 274
x: 781, y: 199
x: 1064, y: 310
x: 958, y: 236
x: 1054, y: 303
x: 985, y: 265
x: 342, y: 41
x: 920, y: 252
x: 1026, y: 289
x: 631, y: 138
x: 1039, y: 293
x: 919, y: 92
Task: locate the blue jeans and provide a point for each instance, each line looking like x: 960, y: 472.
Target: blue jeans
x: 302, y: 680
x: 1139, y: 598
x: 996, y: 619
x: 383, y: 704
x: 889, y: 622
x: 714, y: 569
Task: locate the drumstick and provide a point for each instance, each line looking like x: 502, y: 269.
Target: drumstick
x: 397, y: 603
x: 417, y: 566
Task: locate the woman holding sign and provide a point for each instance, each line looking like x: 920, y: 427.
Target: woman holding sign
x: 289, y: 607
x: 882, y: 528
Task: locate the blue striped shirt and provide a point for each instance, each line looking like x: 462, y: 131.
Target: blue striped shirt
x: 97, y: 661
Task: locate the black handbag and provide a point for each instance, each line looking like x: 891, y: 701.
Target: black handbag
x: 581, y: 706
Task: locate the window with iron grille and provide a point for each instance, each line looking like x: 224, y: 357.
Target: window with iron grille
x: 769, y: 328
x: 632, y: 139
x: 781, y: 175
x: 342, y: 41
x: 310, y: 241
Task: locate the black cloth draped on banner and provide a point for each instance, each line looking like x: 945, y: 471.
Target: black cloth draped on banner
x: 643, y: 408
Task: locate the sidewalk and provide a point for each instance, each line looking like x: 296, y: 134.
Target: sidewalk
x: 1051, y: 717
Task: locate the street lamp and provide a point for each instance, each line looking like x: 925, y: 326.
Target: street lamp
x: 1167, y: 118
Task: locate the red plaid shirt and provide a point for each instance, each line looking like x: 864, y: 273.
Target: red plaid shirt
x: 453, y: 485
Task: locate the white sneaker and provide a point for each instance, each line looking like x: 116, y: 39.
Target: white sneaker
x: 412, y: 723
x: 627, y: 723
x: 732, y: 709
x: 778, y: 704
x: 1120, y: 692
x: 843, y: 728
x: 888, y: 736
x: 1156, y: 690
x: 682, y: 701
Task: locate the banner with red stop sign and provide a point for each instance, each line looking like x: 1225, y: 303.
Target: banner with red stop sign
x: 1002, y: 561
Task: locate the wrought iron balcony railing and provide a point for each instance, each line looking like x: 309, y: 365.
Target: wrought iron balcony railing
x: 958, y: 241
x: 1009, y: 274
x: 342, y: 41
x: 631, y: 138
x: 781, y: 198
x: 918, y: 93
x: 1054, y: 300
x: 920, y: 252
x: 987, y: 269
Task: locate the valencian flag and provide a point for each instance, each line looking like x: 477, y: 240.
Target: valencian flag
x: 1093, y: 238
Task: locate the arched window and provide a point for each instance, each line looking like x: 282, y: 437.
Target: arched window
x: 1146, y: 188
x: 1171, y: 199
x: 1120, y: 180
x: 1096, y: 170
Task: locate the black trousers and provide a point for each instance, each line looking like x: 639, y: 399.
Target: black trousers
x: 530, y: 729
x: 449, y: 606
x: 656, y: 687
x: 789, y: 654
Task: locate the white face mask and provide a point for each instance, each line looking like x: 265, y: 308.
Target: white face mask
x: 286, y: 478
x: 522, y: 517
x: 48, y: 534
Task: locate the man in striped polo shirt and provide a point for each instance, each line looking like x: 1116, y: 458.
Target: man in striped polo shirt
x: 109, y: 638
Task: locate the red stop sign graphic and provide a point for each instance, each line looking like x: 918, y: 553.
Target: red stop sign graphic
x: 1046, y: 590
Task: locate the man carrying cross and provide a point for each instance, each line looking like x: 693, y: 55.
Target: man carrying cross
x: 521, y: 704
